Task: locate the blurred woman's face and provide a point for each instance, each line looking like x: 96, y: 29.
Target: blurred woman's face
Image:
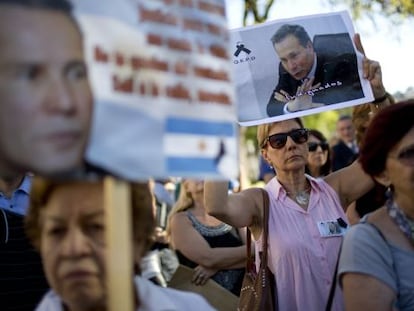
x: 399, y: 170
x: 316, y: 157
x: 195, y: 187
x: 72, y: 244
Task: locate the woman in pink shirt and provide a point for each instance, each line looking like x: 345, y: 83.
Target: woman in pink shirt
x: 306, y: 216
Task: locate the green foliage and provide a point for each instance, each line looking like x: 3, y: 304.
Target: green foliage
x: 395, y: 10
x: 325, y: 121
x: 251, y: 9
x: 250, y: 133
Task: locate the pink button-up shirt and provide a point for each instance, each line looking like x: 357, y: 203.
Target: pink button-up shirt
x: 302, y: 260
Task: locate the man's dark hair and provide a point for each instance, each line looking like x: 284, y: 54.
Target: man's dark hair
x: 62, y: 6
x: 344, y: 117
x: 59, y: 5
x: 295, y: 30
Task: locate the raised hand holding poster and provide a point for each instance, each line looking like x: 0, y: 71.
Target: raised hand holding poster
x: 295, y: 67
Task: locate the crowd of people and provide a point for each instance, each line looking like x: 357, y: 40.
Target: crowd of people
x: 341, y: 217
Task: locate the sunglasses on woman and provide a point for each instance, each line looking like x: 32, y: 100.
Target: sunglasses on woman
x: 312, y: 146
x: 279, y: 140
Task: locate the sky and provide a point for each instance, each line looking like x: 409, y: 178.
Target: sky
x: 392, y: 46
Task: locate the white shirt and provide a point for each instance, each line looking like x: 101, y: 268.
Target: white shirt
x: 311, y: 74
x: 151, y: 296
x: 353, y: 146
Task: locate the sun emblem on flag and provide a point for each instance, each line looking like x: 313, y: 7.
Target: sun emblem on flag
x: 202, y: 145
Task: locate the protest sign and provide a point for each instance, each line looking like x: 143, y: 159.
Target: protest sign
x: 161, y: 78
x: 272, y: 62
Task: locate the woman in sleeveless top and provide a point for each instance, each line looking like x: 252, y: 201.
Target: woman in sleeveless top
x: 211, y: 247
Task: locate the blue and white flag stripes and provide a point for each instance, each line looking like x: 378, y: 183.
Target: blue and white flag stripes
x: 162, y: 82
x: 208, y: 144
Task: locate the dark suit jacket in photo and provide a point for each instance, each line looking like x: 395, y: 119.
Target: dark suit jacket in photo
x: 336, y: 62
x: 342, y: 156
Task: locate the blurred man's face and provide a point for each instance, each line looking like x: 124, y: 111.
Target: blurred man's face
x: 345, y: 130
x: 46, y: 101
x: 296, y: 59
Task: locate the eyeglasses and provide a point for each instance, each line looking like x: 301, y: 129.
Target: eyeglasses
x: 278, y: 141
x: 406, y: 156
x: 313, y: 146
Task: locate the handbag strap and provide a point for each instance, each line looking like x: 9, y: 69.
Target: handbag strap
x: 333, y: 284
x: 249, y: 262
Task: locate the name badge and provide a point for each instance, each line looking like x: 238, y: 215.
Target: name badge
x: 329, y: 228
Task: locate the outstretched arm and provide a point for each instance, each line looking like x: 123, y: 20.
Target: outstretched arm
x: 242, y: 209
x: 352, y: 182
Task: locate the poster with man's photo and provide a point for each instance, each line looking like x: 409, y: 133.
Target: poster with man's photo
x: 161, y: 78
x: 295, y: 67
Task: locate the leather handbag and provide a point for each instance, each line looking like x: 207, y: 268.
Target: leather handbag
x: 259, y: 287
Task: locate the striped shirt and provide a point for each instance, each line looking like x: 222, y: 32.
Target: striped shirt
x: 302, y: 260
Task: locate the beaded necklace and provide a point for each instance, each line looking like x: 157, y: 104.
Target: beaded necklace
x: 405, y: 224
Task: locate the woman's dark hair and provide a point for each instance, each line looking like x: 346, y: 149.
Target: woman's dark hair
x: 384, y: 132
x: 326, y: 168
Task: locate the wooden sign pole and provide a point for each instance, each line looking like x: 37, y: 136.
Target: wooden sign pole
x: 117, y: 204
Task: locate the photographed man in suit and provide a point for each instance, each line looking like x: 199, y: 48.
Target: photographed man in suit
x: 46, y: 100
x: 312, y: 74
